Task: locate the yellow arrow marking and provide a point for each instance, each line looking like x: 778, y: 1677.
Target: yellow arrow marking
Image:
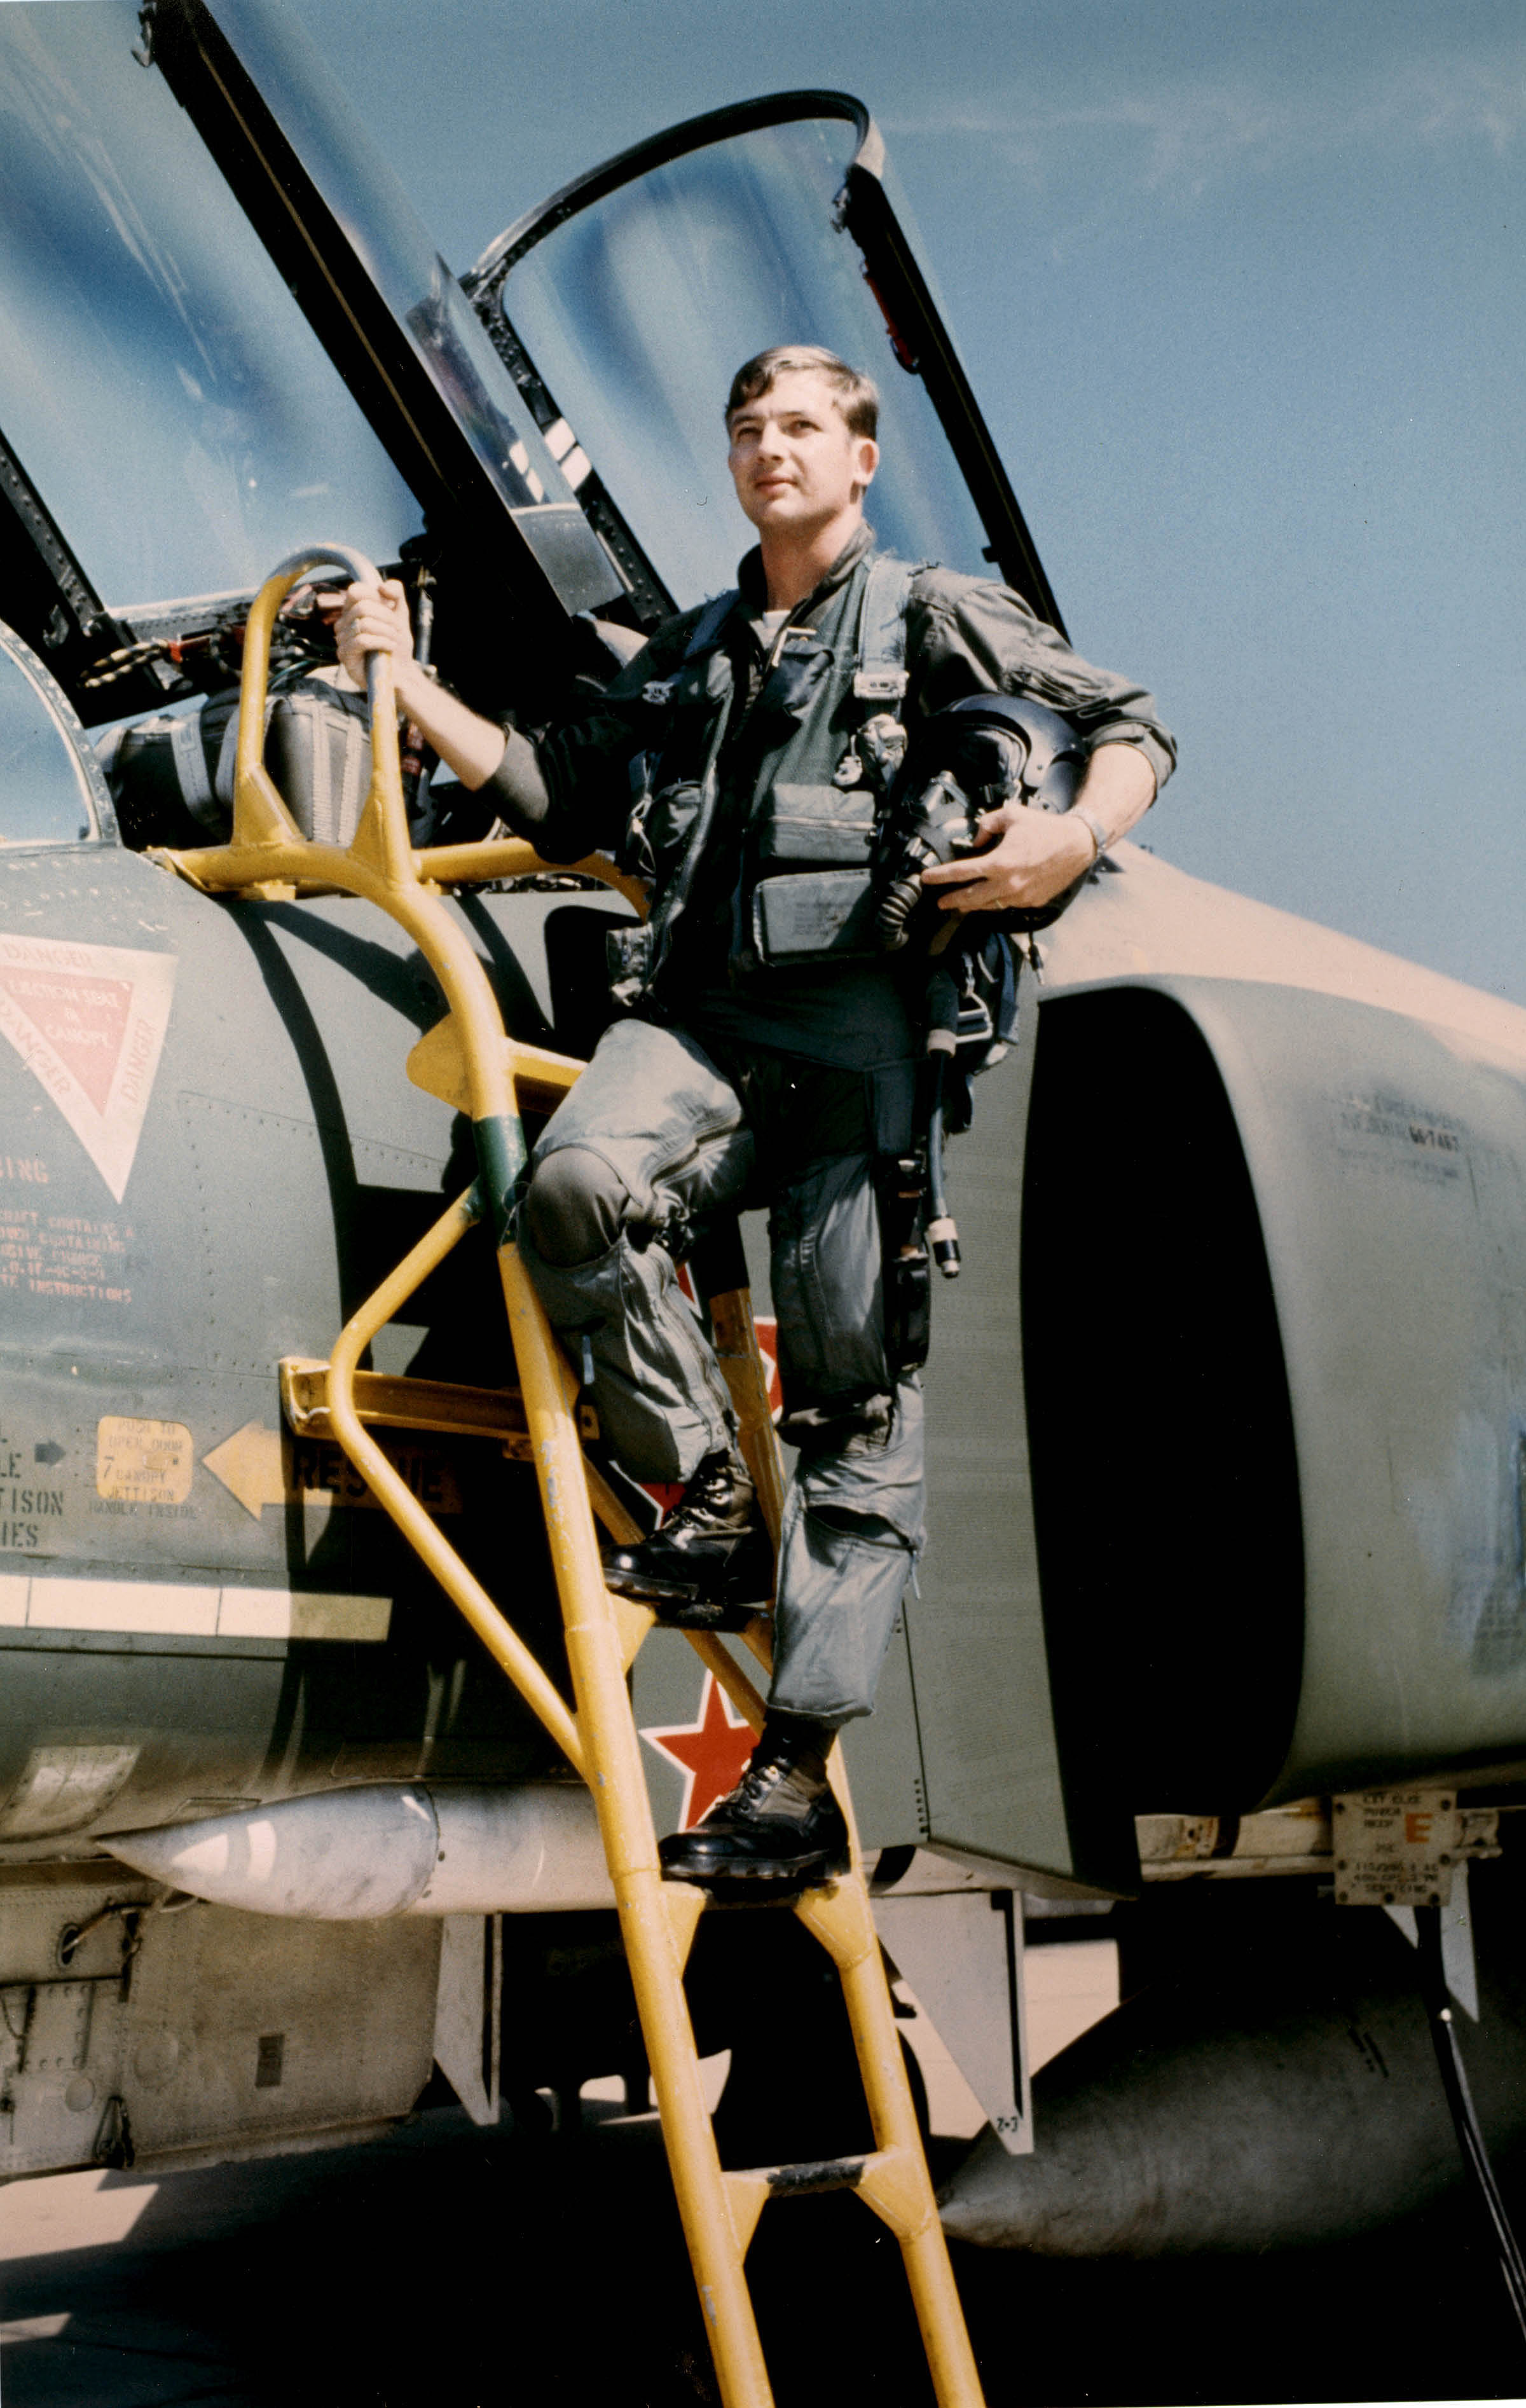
x: 253, y: 1463
x: 249, y: 1463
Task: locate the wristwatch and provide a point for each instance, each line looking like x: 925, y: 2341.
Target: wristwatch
x: 1099, y: 834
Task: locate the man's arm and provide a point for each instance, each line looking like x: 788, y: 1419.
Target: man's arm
x: 568, y: 794
x: 376, y: 620
x: 1040, y: 853
x: 968, y: 637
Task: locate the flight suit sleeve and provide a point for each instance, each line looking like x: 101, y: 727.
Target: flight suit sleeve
x: 966, y: 636
x: 567, y: 791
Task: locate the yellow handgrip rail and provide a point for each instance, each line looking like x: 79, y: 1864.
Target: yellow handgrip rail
x: 509, y: 856
x: 379, y: 862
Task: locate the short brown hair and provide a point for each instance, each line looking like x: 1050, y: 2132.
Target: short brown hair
x: 857, y: 397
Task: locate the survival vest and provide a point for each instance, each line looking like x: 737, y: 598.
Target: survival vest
x: 808, y: 890
x: 827, y: 723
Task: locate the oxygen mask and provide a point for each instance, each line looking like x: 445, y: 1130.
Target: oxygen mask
x: 985, y: 751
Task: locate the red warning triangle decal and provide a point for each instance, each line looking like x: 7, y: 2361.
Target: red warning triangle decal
x: 89, y: 1022
x: 83, y: 1019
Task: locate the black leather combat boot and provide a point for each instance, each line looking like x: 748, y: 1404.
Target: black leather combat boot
x: 781, y: 1824
x: 710, y: 1565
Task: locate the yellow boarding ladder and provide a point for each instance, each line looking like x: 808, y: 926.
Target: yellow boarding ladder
x: 469, y: 1059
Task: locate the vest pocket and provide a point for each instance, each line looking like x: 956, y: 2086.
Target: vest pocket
x: 821, y: 912
x: 818, y: 824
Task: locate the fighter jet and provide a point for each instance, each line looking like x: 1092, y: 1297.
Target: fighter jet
x: 1224, y: 1596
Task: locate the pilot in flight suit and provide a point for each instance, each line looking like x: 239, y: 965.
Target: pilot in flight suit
x: 745, y: 741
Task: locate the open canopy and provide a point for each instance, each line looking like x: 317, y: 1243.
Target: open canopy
x: 629, y: 299
x: 227, y: 335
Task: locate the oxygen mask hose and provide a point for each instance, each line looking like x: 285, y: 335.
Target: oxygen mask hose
x: 942, y: 1039
x: 935, y: 819
x: 941, y: 828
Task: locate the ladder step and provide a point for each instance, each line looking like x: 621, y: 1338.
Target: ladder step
x: 813, y: 2174
x: 388, y: 1402
x: 803, y: 2180
x: 893, y: 2182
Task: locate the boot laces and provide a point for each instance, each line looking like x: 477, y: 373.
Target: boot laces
x: 718, y: 1495
x: 781, y: 1787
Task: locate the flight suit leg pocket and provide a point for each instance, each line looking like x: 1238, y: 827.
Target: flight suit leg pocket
x: 827, y: 1281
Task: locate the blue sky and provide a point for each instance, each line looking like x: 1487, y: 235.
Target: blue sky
x: 1240, y: 289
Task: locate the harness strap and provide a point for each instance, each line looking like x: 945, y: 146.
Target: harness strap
x: 881, y: 672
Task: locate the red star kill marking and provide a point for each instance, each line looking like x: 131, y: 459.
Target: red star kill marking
x: 710, y: 1752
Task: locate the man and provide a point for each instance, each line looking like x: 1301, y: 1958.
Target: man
x: 752, y: 1067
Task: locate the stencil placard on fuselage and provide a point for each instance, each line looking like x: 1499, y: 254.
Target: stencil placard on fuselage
x: 89, y: 1022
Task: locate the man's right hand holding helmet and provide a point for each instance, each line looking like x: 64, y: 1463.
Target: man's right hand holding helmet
x: 986, y: 806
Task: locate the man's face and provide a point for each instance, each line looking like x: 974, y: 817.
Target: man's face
x: 793, y: 462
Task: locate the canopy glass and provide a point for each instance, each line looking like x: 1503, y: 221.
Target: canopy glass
x: 158, y: 385
x: 638, y: 310
x: 47, y: 794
